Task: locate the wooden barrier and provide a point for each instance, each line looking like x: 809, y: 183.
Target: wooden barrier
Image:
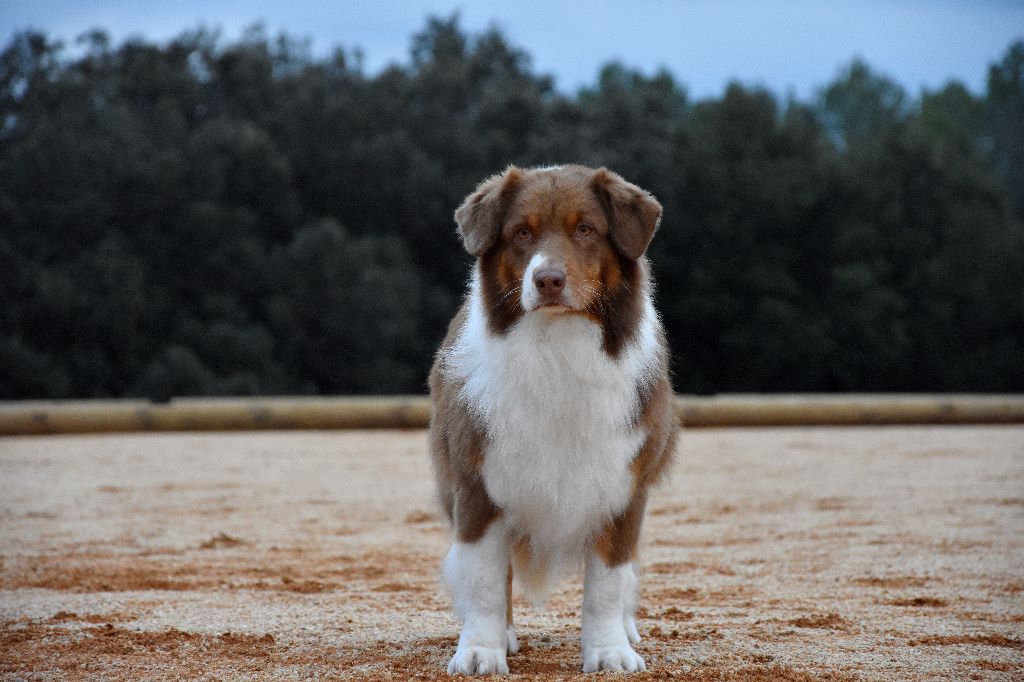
x: 215, y: 414
x: 850, y: 409
x: 407, y: 412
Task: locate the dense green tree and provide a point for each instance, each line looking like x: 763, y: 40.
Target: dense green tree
x: 742, y: 269
x: 211, y: 219
x: 1005, y: 102
x: 346, y: 311
x: 921, y: 261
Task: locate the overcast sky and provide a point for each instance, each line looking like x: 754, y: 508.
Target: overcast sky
x: 790, y: 46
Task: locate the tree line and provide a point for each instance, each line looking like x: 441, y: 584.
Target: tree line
x: 201, y: 218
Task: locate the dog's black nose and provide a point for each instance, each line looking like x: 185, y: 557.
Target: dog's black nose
x: 549, y: 282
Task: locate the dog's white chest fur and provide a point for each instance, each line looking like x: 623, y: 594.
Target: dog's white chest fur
x: 559, y: 415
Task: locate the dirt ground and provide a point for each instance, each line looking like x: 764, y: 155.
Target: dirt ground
x: 771, y: 554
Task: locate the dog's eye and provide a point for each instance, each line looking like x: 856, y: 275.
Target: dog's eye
x: 523, y: 234
x: 583, y: 230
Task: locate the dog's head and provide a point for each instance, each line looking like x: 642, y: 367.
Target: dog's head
x: 558, y: 240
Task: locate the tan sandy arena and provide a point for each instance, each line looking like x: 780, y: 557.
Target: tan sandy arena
x: 874, y: 553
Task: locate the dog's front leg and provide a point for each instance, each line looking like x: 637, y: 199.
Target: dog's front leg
x: 608, y: 600
x: 477, y: 573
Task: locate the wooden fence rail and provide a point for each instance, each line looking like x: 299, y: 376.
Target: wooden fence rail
x: 401, y: 412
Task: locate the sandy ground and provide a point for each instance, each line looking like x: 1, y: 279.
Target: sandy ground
x: 785, y: 554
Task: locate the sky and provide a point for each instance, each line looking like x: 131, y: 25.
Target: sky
x: 792, y: 47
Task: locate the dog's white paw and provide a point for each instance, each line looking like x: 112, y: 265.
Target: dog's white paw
x: 619, y: 658
x: 631, y: 632
x: 513, y: 643
x: 478, y: 660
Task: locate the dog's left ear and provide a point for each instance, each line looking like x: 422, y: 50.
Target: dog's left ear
x: 633, y: 214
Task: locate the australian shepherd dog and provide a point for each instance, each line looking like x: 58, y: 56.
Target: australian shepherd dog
x: 553, y: 412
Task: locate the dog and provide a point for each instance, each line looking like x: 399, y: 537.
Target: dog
x: 552, y: 407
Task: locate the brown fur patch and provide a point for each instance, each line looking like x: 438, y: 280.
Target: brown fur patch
x: 617, y: 542
x: 658, y: 416
x: 620, y: 305
x: 508, y: 597
x: 501, y: 286
x: 633, y: 214
x: 457, y: 450
x: 481, y: 215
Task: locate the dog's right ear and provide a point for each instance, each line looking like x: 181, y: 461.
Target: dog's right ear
x: 480, y: 216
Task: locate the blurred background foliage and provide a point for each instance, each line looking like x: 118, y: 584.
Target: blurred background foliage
x: 199, y: 218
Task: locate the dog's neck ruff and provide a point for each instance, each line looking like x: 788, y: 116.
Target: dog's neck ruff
x: 560, y: 417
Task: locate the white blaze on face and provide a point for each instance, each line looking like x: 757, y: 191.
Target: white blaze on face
x: 530, y: 297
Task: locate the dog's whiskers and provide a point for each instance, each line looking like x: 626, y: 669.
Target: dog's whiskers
x: 513, y: 290
x: 601, y: 299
